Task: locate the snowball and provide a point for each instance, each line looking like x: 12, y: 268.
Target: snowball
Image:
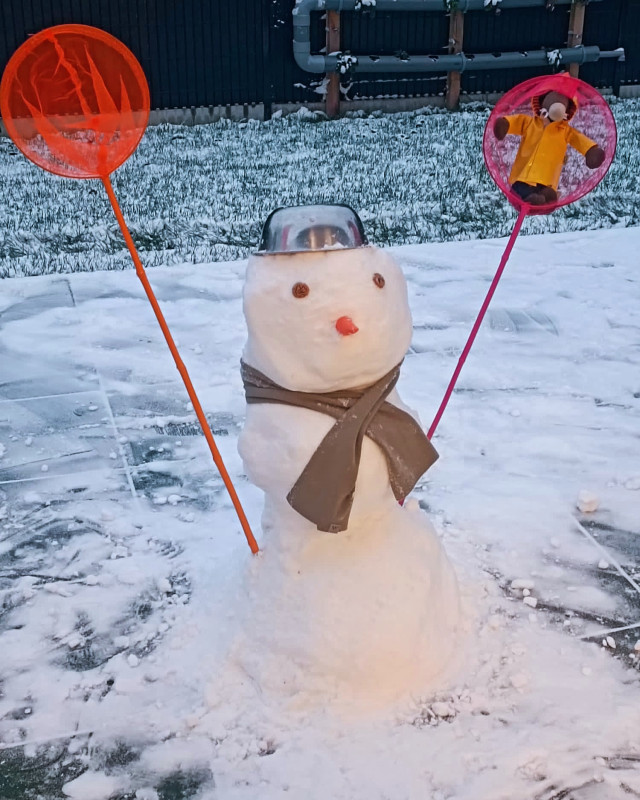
x: 442, y: 710
x: 587, y: 502
x: 147, y: 793
x: 530, y: 601
x: 92, y: 786
x: 602, y: 564
x: 522, y: 583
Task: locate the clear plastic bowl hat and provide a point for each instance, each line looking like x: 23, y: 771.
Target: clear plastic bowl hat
x: 303, y: 229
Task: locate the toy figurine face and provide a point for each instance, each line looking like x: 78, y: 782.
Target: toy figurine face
x: 554, y: 106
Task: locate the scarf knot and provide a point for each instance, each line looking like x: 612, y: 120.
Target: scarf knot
x: 323, y: 493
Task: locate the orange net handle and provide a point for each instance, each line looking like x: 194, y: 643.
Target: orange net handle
x: 181, y: 367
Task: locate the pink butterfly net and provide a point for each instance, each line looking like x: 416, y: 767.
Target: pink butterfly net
x: 592, y: 118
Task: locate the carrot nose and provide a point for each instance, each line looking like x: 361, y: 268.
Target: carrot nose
x: 346, y: 326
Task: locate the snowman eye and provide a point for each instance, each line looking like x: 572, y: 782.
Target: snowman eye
x: 378, y: 280
x: 300, y: 290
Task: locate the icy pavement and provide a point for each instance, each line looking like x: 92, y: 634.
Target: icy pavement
x: 121, y: 559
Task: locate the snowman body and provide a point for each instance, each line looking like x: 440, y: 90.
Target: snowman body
x: 370, y: 613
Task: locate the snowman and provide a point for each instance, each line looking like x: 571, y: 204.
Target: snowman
x: 352, y: 599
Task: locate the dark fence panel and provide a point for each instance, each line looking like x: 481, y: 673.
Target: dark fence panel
x: 290, y: 83
x: 397, y: 33
x: 222, y: 52
x: 526, y: 29
x: 194, y: 52
x: 610, y: 25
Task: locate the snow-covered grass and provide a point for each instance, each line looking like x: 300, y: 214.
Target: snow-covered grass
x: 201, y: 194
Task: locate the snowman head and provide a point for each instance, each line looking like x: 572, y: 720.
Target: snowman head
x: 329, y: 318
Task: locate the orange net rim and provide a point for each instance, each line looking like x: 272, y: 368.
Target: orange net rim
x: 87, y: 31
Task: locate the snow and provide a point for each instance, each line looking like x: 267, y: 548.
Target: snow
x: 536, y: 705
x: 588, y: 502
x: 91, y: 786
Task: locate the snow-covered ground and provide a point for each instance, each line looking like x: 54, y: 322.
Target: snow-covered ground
x: 122, y: 562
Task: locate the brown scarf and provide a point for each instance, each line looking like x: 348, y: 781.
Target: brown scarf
x: 323, y: 493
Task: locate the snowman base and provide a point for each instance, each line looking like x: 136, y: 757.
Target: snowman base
x: 359, y: 618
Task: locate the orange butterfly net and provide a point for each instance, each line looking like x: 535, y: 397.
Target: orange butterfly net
x: 76, y: 102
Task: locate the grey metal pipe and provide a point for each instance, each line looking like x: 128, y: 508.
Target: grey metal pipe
x: 458, y: 62
x: 304, y: 8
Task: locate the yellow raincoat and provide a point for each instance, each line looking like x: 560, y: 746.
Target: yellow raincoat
x: 542, y: 149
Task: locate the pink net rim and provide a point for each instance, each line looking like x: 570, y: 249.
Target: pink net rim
x: 593, y: 118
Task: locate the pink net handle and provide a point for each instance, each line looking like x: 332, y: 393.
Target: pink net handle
x: 593, y: 118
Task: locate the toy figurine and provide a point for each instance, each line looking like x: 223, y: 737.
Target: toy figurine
x: 543, y: 141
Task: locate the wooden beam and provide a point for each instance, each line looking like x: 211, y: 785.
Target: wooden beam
x: 332, y: 97
x: 267, y: 81
x: 456, y: 31
x: 576, y: 27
